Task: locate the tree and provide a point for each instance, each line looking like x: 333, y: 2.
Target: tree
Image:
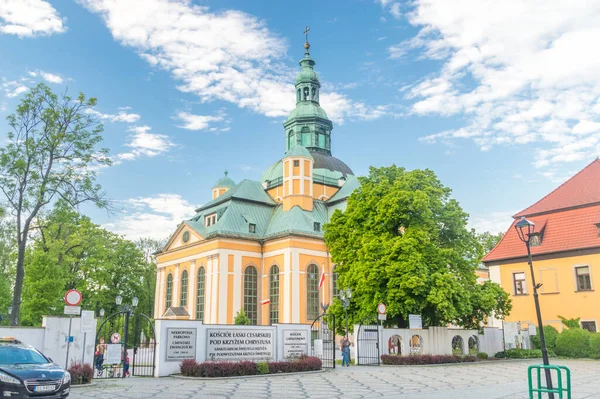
x: 69, y: 251
x: 403, y: 241
x: 149, y: 246
x: 8, y: 257
x: 570, y: 323
x: 487, y: 241
x: 51, y: 153
x: 241, y: 318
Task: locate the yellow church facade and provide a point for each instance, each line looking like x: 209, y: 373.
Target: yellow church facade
x: 258, y: 246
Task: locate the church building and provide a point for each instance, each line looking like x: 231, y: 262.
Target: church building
x: 258, y: 245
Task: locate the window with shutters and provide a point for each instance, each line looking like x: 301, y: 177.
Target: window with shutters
x: 520, y: 284
x: 583, y: 280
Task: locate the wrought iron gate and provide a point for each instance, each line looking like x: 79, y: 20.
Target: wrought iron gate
x: 367, y: 342
x: 137, y: 334
x: 322, y: 339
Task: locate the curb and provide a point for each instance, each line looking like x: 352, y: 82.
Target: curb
x: 182, y: 377
x: 90, y: 384
x: 463, y: 364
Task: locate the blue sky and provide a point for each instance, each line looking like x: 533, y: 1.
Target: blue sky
x: 500, y: 99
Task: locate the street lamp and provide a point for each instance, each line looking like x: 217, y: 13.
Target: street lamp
x: 526, y: 231
x: 128, y: 310
x: 345, y: 296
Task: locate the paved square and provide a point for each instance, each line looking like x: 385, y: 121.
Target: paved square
x: 488, y: 380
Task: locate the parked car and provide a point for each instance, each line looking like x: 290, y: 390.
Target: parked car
x: 27, y: 373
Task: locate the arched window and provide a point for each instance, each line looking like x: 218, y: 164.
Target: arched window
x: 169, y: 298
x: 291, y: 139
x: 274, y: 294
x: 306, y: 93
x: 312, y: 292
x: 251, y: 294
x: 314, y: 94
x: 306, y: 139
x: 200, y: 295
x: 184, y: 288
x: 321, y: 139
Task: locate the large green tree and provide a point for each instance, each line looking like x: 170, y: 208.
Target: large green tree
x: 404, y: 241
x: 69, y: 251
x: 51, y: 151
x: 8, y: 257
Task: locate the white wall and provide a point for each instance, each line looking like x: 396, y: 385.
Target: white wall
x: 164, y: 367
x: 50, y: 339
x: 279, y: 341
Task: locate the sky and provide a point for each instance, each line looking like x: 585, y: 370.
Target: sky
x: 501, y: 99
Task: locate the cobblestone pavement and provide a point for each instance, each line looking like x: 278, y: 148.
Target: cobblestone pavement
x: 487, y: 380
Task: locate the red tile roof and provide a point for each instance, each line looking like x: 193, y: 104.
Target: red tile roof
x: 581, y: 189
x: 566, y: 230
x: 567, y: 219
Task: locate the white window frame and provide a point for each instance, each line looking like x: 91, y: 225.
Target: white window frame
x: 210, y: 220
x: 589, y: 321
x: 576, y: 286
x: 514, y: 287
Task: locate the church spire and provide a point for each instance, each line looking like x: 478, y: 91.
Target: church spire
x: 308, y: 124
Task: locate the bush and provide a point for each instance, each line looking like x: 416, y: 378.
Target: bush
x: 424, y: 359
x: 191, y: 368
x: 595, y: 346
x: 573, y: 343
x: 519, y: 354
x: 81, y: 373
x: 262, y: 367
x: 482, y: 355
x: 550, y: 333
x: 241, y: 318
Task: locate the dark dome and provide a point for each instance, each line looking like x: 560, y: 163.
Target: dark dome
x: 324, y: 161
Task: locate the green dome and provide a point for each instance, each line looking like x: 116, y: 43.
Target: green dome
x: 273, y: 172
x: 307, y: 109
x: 298, y: 151
x: 224, y: 182
x: 306, y: 75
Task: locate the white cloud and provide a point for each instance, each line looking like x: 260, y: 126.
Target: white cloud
x: 50, y: 77
x: 152, y: 216
x: 494, y: 222
x: 144, y: 143
x: 197, y: 122
x: 122, y: 116
x: 13, y: 88
x: 28, y: 18
x: 392, y: 6
x: 518, y: 72
x: 227, y: 55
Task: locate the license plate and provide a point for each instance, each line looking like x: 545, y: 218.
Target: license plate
x: 44, y: 388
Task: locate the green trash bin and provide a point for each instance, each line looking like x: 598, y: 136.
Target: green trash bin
x: 560, y: 389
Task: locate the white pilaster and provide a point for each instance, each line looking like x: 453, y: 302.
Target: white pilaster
x: 192, y: 284
x: 286, y: 276
x: 215, y: 292
x: 223, y: 287
x: 237, y: 283
x: 296, y: 285
x: 176, y: 280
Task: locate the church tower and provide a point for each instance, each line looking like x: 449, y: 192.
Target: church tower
x: 297, y: 179
x: 308, y: 125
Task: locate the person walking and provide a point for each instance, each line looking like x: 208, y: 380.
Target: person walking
x: 100, y: 349
x: 345, y: 346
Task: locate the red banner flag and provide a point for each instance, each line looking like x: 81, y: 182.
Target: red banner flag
x: 265, y: 301
x: 322, y: 278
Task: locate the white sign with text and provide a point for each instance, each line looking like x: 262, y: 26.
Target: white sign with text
x: 295, y: 343
x: 113, y: 354
x: 181, y: 344
x: 239, y: 344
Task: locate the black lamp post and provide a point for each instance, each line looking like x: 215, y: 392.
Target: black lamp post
x: 127, y: 309
x: 345, y: 296
x: 526, y: 230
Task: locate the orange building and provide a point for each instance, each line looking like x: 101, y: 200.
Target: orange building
x: 258, y: 245
x: 566, y: 255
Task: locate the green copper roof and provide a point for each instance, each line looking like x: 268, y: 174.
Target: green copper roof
x: 297, y: 221
x: 298, y: 151
x: 307, y: 109
x: 307, y: 73
x: 246, y: 190
x: 224, y: 182
x: 273, y: 172
x: 351, y: 184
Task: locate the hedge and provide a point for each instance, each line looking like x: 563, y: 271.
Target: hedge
x: 81, y: 373
x: 574, y: 342
x: 519, y: 354
x: 425, y: 359
x: 595, y: 346
x: 191, y: 368
x: 550, y: 334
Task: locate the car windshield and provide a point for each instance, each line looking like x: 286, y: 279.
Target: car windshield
x: 20, y: 355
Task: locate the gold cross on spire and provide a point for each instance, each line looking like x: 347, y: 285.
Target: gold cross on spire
x: 306, y: 33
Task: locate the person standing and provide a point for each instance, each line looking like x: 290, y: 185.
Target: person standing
x: 345, y: 346
x: 100, y: 349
